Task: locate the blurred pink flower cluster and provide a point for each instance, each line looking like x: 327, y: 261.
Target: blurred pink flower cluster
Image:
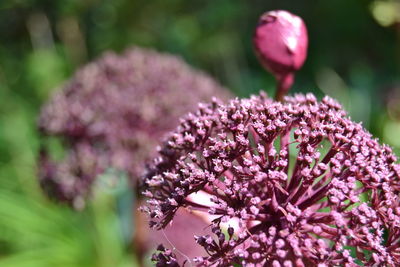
x: 113, y: 113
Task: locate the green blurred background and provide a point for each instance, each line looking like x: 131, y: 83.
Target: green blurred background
x: 354, y: 56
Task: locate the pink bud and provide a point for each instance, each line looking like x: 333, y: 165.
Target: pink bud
x: 280, y: 41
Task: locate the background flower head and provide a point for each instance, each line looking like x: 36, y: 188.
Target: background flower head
x: 113, y: 112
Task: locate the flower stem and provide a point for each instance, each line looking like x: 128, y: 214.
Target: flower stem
x: 284, y: 83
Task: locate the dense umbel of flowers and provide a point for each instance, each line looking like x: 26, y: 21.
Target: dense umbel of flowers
x: 289, y: 184
x: 113, y: 113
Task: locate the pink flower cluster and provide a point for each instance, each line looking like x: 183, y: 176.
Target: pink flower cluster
x: 113, y: 113
x: 295, y: 183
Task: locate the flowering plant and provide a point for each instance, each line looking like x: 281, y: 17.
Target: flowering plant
x: 295, y: 183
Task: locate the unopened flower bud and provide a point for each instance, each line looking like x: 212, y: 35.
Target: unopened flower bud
x: 280, y: 41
